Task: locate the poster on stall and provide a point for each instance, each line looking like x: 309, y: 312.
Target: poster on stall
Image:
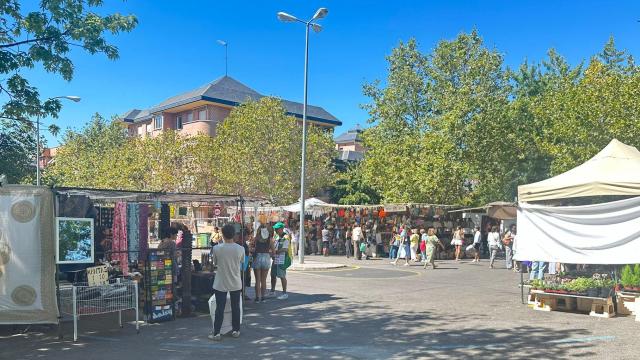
x: 74, y: 240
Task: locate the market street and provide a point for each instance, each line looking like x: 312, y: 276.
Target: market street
x: 370, y: 310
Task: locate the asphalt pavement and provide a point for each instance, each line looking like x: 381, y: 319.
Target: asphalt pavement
x: 366, y: 310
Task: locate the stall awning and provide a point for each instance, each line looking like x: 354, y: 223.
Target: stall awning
x: 499, y: 210
x: 613, y: 171
x: 107, y: 195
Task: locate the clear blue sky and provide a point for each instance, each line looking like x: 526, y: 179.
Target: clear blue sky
x: 174, y: 47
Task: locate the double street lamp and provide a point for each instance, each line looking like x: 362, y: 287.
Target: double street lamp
x: 284, y: 17
x: 68, y: 97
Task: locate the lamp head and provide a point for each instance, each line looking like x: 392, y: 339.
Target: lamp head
x: 322, y: 12
x: 316, y: 27
x: 284, y: 17
x: 72, y: 98
x: 223, y: 43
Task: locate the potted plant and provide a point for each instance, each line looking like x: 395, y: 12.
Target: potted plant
x: 630, y: 278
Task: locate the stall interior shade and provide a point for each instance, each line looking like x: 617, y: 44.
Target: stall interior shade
x: 104, y: 195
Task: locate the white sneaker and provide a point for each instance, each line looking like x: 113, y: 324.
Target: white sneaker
x: 271, y: 294
x: 217, y: 337
x: 235, y: 334
x: 284, y: 296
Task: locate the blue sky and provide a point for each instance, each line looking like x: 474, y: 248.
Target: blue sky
x: 174, y: 47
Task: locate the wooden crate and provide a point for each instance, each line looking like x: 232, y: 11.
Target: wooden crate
x: 563, y: 302
x: 628, y: 303
x: 602, y: 308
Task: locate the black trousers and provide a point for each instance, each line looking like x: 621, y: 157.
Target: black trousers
x: 221, y: 302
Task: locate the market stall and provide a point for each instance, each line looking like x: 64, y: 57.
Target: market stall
x: 602, y: 232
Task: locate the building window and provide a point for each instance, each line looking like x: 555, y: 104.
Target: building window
x: 202, y: 114
x: 179, y: 122
x: 189, y: 117
x: 157, y: 122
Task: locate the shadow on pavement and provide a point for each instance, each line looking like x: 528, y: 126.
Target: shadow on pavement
x: 321, y: 326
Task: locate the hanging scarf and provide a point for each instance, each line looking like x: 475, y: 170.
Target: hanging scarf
x: 144, y: 231
x: 133, y: 231
x: 120, y: 236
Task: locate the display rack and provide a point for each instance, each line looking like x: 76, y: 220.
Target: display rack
x: 158, y: 284
x: 81, y: 300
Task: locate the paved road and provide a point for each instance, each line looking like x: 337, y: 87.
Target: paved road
x: 370, y: 310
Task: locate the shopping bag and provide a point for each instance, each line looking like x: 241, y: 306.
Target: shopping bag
x: 469, y: 248
x: 226, y: 322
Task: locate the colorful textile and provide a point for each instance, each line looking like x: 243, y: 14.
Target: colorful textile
x: 133, y: 231
x: 144, y: 230
x: 120, y: 236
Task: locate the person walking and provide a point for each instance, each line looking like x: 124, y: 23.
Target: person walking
x: 423, y: 245
x: 507, y: 241
x: 356, y: 237
x: 458, y: 241
x: 326, y: 239
x: 394, y: 245
x: 228, y: 258
x: 313, y: 239
x: 477, y: 242
x: 261, y: 249
x: 347, y: 243
x: 414, y: 241
x: 281, y: 242
x: 493, y: 240
x: 431, y: 242
x: 404, y: 247
x: 295, y: 238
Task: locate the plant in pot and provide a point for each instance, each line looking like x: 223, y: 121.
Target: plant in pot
x: 636, y: 278
x: 562, y: 289
x: 630, y: 278
x: 605, y: 287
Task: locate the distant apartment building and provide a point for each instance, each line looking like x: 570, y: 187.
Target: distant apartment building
x: 350, y: 146
x: 202, y: 109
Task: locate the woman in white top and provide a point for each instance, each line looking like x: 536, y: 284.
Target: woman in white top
x: 458, y: 241
x: 493, y: 239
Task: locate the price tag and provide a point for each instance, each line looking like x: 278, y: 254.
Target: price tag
x: 98, y: 275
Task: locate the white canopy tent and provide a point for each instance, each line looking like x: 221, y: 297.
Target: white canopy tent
x: 613, y: 171
x: 309, y: 206
x: 605, y: 233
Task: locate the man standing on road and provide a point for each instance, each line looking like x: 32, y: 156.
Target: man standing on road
x: 228, y: 257
x: 356, y: 237
x: 281, y: 249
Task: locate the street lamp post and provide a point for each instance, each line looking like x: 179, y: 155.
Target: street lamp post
x: 284, y: 17
x: 226, y: 63
x: 72, y: 98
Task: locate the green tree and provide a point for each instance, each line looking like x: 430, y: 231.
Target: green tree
x: 260, y: 153
x: 45, y: 37
x: 91, y: 157
x: 352, y: 189
x: 17, y: 148
x: 438, y: 123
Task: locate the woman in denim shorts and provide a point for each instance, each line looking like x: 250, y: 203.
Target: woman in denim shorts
x: 261, y: 260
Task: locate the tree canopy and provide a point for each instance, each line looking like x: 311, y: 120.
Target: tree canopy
x: 458, y: 126
x: 44, y: 37
x: 256, y: 152
x: 261, y: 153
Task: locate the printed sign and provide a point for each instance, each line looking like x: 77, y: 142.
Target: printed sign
x: 162, y: 313
x: 98, y: 275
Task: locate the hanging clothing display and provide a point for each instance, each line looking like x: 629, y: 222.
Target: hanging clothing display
x: 144, y: 231
x: 120, y: 236
x: 133, y: 230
